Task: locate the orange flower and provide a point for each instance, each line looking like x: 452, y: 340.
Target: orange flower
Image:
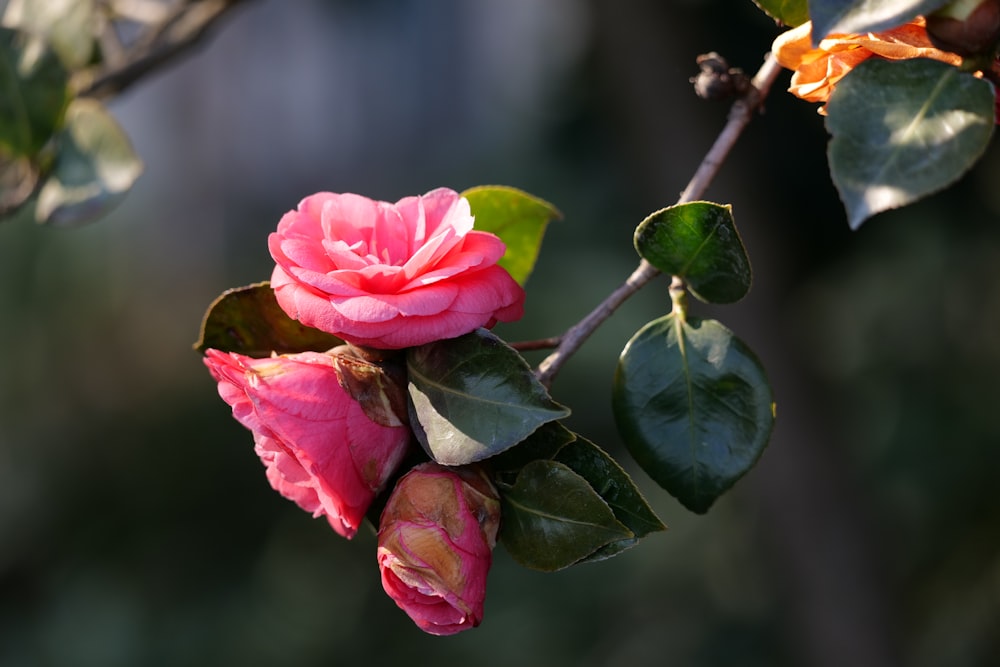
x: 818, y: 70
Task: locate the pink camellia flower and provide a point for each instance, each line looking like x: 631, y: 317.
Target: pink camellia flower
x: 435, y: 545
x: 319, y: 447
x: 391, y: 276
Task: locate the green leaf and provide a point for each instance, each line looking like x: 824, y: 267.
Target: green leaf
x: 553, y: 518
x: 861, y: 16
x: 903, y: 130
x: 248, y: 320
x: 544, y: 443
x: 34, y: 93
x: 789, y: 12
x: 94, y: 167
x: 697, y: 241
x: 694, y: 407
x: 68, y: 26
x: 616, y: 488
x: 474, y: 396
x: 519, y: 219
x: 554, y: 442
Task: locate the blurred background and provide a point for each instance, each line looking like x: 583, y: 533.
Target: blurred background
x: 136, y: 524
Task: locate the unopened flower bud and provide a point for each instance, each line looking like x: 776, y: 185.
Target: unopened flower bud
x: 435, y: 544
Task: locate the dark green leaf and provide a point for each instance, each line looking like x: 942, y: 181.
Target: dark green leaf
x: 518, y: 218
x: 617, y: 489
x: 902, y: 130
x: 697, y: 241
x: 693, y: 406
x: 553, y: 518
x: 34, y: 93
x: 555, y: 442
x: 248, y: 320
x: 789, y: 12
x: 94, y: 167
x: 68, y: 27
x: 544, y: 443
x: 474, y: 396
x: 861, y: 16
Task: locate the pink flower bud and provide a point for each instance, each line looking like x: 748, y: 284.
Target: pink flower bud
x: 319, y: 447
x: 435, y: 546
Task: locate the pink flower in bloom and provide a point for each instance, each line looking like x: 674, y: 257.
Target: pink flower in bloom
x: 387, y: 275
x: 319, y: 447
x: 435, y: 546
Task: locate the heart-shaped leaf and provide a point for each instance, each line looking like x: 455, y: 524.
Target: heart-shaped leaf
x: 474, y: 396
x: 94, y: 167
x: 248, y: 320
x: 553, y: 518
x: 927, y: 125
x: 518, y: 218
x: 694, y: 407
x: 697, y: 241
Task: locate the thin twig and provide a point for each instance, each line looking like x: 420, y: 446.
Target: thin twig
x: 178, y: 32
x: 540, y: 344
x: 739, y: 117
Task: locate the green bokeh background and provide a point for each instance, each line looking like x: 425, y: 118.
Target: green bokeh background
x: 136, y: 525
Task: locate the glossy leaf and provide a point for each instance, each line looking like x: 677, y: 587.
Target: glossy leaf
x: 34, y: 93
x: 926, y: 126
x: 553, y: 518
x: 555, y: 442
x: 474, y: 396
x: 694, y: 407
x: 248, y: 320
x: 861, y: 16
x: 94, y: 167
x: 697, y: 241
x: 616, y: 488
x: 789, y: 12
x: 68, y: 26
x: 518, y: 218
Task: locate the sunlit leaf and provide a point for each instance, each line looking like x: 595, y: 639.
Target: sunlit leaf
x: 474, y: 396
x: 861, y: 16
x: 553, y: 518
x: 518, y: 218
x: 902, y: 130
x: 68, y: 26
x: 248, y: 320
x: 34, y: 93
x: 94, y: 167
x: 694, y: 407
x: 789, y: 12
x: 697, y: 241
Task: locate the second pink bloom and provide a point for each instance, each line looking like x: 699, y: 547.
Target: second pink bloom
x: 319, y: 447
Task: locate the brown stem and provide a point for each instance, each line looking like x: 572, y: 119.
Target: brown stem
x: 157, y: 46
x: 739, y: 117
